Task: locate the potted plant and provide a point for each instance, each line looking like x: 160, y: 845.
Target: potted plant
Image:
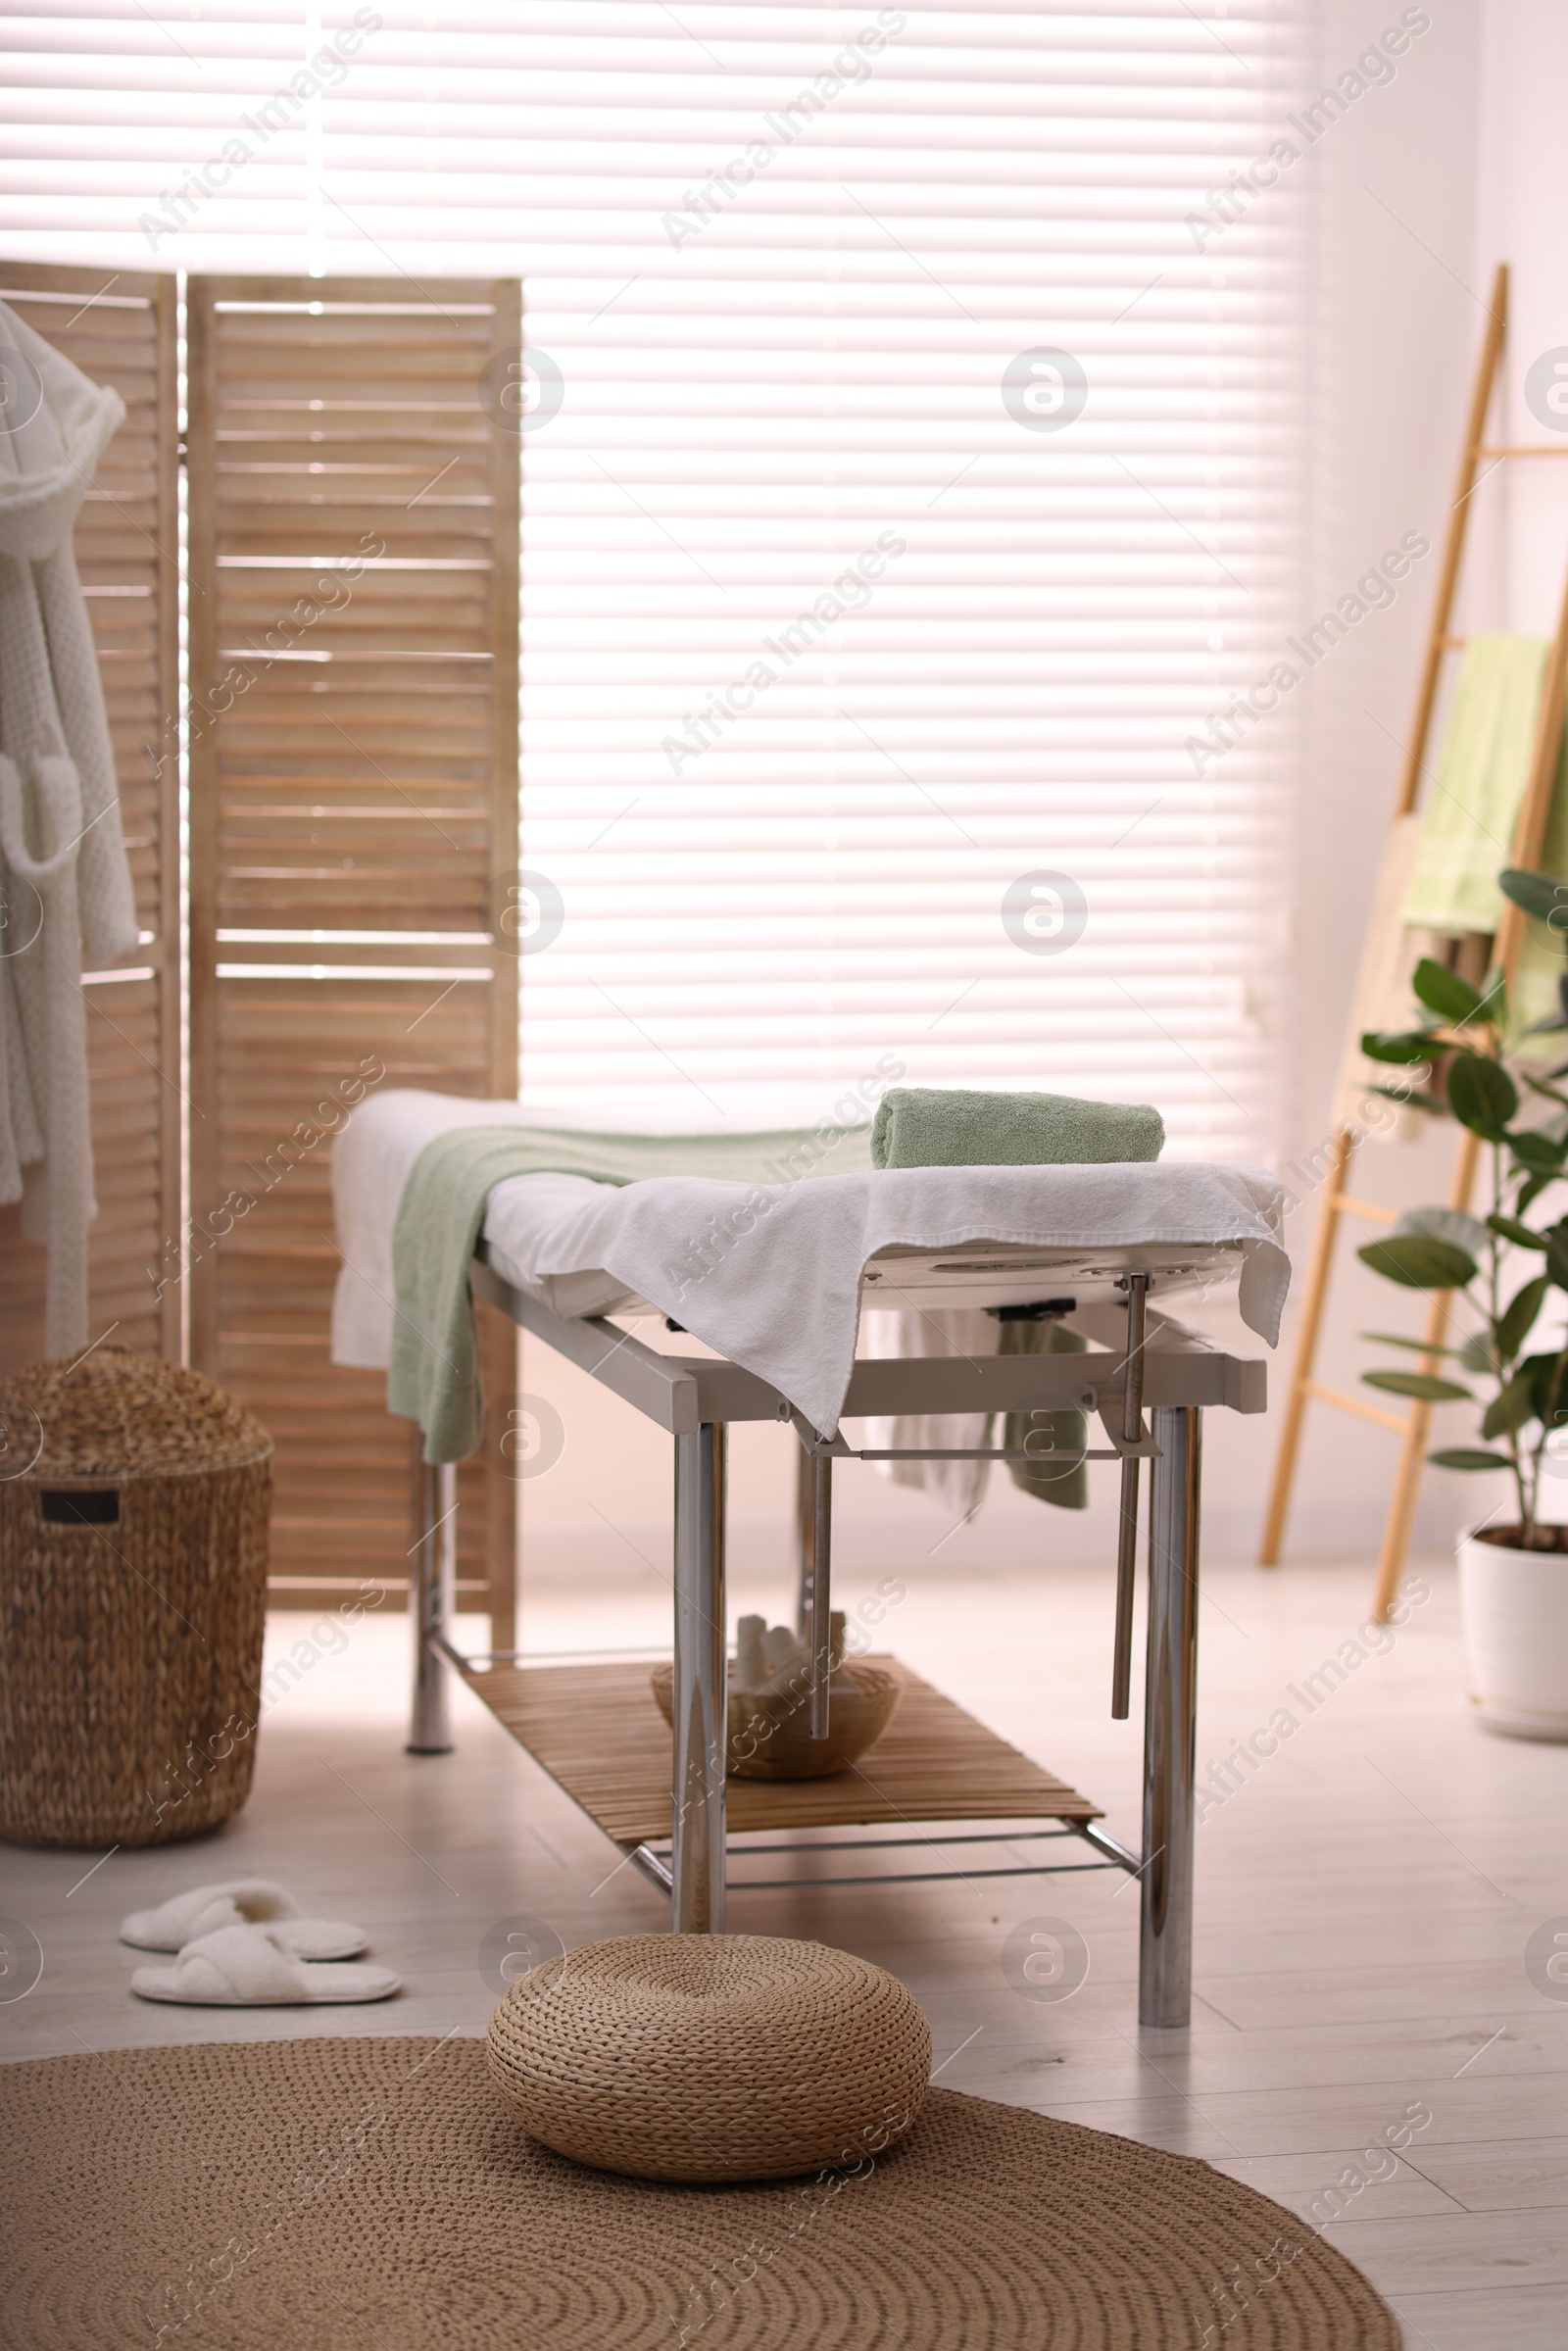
x: 1505, y: 1273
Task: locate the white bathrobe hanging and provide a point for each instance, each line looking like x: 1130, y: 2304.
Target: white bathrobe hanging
x: 64, y: 885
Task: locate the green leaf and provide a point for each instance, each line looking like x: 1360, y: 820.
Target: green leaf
x: 1481, y: 1094
x: 1411, y: 1101
x: 1444, y: 992
x: 1417, y: 1346
x: 1419, y: 1262
x: 1523, y: 1236
x: 1515, y: 1324
x: 1533, y: 1191
x: 1423, y: 1384
x: 1511, y: 1410
x: 1452, y: 1225
x: 1463, y: 1457
x: 1558, y: 1255
x: 1537, y: 1152
x: 1478, y: 1354
x: 1544, y: 1377
x: 1406, y: 1045
x: 1537, y: 893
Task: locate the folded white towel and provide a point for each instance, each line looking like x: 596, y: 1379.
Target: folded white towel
x: 240, y: 1902
x: 248, y: 1967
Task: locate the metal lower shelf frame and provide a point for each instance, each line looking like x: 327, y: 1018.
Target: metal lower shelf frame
x: 655, y: 1861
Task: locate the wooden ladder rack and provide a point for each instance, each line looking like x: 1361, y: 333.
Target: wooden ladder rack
x: 1337, y: 1202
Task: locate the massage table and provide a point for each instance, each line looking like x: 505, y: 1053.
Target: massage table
x: 1160, y: 1231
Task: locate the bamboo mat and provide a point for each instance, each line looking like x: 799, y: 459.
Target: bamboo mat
x: 597, y: 1733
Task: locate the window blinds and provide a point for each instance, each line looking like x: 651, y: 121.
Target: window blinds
x: 911, y: 410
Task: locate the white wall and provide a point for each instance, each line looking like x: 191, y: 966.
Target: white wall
x: 1460, y: 164
x: 1522, y: 207
x: 1401, y: 315
x: 1425, y: 184
x: 1523, y: 201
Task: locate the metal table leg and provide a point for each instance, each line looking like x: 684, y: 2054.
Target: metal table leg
x: 700, y: 1696
x: 1170, y: 1721
x: 1132, y: 1422
x: 804, y: 1506
x: 820, y: 1619
x: 814, y: 1608
x: 430, y: 1595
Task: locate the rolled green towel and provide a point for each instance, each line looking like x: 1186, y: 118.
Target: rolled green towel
x: 923, y: 1127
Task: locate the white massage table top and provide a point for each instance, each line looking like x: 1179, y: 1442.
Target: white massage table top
x: 982, y: 1273
x: 778, y: 1280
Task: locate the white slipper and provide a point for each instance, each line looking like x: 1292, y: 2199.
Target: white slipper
x: 247, y: 1967
x: 243, y: 1901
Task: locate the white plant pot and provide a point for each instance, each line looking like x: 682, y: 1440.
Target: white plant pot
x: 1514, y: 1608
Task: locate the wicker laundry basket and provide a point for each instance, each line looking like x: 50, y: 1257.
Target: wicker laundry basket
x: 133, y: 1542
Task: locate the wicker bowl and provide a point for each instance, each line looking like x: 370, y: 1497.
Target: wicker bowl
x: 703, y: 2057
x: 133, y: 1544
x: 771, y: 1729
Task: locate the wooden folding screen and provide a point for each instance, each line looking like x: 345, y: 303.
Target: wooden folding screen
x: 354, y: 531
x: 120, y: 330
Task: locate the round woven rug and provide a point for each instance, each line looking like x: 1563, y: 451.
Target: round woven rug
x: 375, y: 2195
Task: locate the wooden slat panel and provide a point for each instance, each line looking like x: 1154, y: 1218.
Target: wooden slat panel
x: 119, y: 328
x: 597, y: 1731
x: 354, y: 519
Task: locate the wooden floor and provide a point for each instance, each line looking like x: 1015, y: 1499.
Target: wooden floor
x: 1365, y: 1901
x: 598, y: 1733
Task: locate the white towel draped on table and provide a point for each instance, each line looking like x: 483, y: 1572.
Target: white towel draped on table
x: 785, y: 1299
x: 66, y: 884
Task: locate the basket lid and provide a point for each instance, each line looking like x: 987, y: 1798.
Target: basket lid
x: 116, y: 1414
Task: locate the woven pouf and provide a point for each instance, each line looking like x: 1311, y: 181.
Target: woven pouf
x: 702, y: 2057
x: 133, y: 1541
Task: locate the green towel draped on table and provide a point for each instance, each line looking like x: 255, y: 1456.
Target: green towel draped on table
x: 434, y: 1373
x: 1058, y: 1472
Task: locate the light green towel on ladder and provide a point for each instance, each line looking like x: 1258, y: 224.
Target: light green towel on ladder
x: 1534, y: 994
x: 1472, y: 807
x: 1473, y: 798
